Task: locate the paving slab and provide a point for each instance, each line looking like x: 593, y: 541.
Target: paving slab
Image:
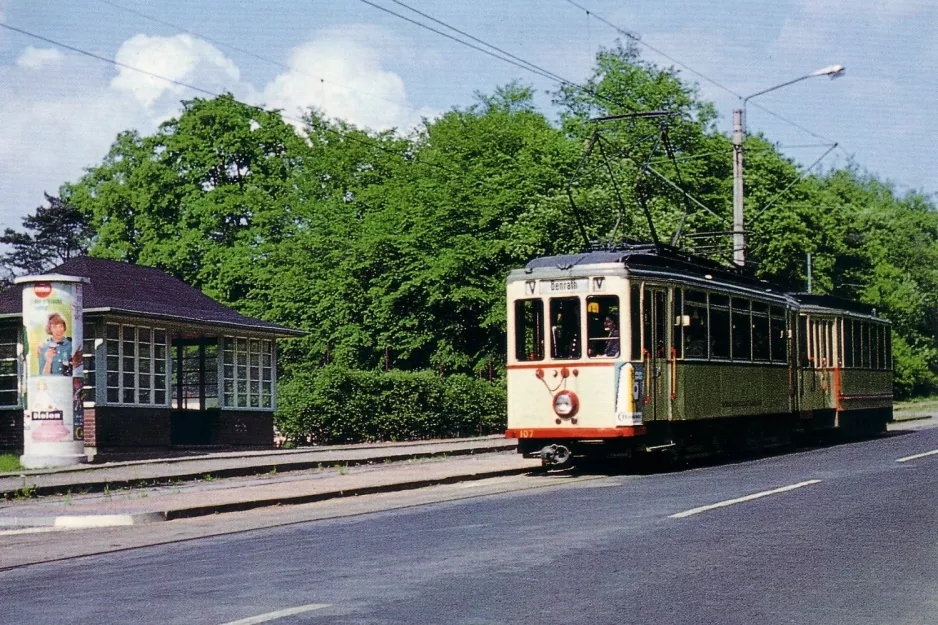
x: 233, y: 464
x: 147, y: 505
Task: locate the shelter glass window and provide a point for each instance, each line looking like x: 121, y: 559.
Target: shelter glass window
x: 529, y: 330
x: 695, y: 333
x: 247, y: 372
x: 779, y: 333
x: 565, y: 328
x: 602, y: 326
x: 760, y: 331
x: 635, y: 317
x: 136, y: 365
x: 719, y: 326
x: 9, y: 367
x: 88, y: 350
x: 742, y: 329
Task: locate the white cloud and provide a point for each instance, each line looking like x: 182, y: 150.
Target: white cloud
x: 34, y: 58
x: 61, y: 112
x: 345, y: 78
x: 181, y: 57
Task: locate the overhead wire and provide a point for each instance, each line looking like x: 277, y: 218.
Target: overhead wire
x: 637, y: 39
x: 115, y: 62
x: 500, y: 54
x: 700, y: 75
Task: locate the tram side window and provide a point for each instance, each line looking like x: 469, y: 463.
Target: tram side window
x: 602, y: 326
x: 760, y: 331
x: 803, y: 341
x: 876, y: 340
x: 565, y: 328
x: 848, y: 343
x: 888, y: 347
x: 529, y: 330
x: 779, y: 332
x: 719, y: 326
x: 635, y: 316
x: 867, y: 345
x: 695, y: 334
x: 742, y: 329
x: 677, y: 341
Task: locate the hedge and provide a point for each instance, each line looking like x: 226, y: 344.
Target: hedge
x: 339, y: 405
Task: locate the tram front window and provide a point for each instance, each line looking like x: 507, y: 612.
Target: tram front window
x: 529, y: 334
x: 602, y: 326
x: 565, y: 328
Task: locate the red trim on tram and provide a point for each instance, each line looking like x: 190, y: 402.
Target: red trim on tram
x: 543, y: 365
x: 622, y: 432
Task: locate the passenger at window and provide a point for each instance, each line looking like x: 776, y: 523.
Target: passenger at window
x: 612, y: 337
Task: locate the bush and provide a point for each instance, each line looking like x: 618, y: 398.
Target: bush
x: 338, y: 405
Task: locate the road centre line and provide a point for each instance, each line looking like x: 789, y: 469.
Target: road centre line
x: 917, y: 456
x: 270, y: 616
x: 730, y: 502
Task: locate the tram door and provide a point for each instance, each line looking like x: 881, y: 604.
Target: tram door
x: 655, y: 343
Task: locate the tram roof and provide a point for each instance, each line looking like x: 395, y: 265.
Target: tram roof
x: 658, y: 257
x: 820, y: 300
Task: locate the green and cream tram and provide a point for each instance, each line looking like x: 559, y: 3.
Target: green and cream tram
x: 644, y: 348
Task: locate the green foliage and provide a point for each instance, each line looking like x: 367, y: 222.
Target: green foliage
x: 389, y: 247
x: 10, y: 463
x: 51, y: 235
x: 339, y: 405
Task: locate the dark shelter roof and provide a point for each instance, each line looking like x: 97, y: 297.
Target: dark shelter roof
x: 144, y: 291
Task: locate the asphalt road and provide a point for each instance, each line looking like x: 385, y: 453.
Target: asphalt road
x: 852, y: 540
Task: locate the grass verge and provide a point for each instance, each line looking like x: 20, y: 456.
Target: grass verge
x: 10, y: 463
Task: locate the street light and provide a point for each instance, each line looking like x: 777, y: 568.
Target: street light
x: 739, y: 236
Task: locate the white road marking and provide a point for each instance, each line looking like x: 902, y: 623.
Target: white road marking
x: 730, y: 502
x: 270, y: 616
x: 917, y: 456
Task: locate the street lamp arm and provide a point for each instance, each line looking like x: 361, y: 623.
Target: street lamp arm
x: 739, y: 132
x: 834, y: 71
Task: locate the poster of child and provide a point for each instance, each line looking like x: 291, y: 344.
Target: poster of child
x: 55, y: 353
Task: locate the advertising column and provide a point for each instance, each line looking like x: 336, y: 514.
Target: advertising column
x: 53, y: 419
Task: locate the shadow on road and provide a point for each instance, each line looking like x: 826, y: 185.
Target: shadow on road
x: 674, y: 462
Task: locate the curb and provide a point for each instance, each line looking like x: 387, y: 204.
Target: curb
x: 915, y: 418
x: 100, y: 484
x: 81, y: 521
x: 91, y: 521
x: 227, y: 455
x: 240, y: 506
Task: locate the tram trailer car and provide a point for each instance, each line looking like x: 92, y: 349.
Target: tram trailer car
x: 645, y: 348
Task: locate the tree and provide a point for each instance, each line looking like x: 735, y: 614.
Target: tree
x: 50, y: 236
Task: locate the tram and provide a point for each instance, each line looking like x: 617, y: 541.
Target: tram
x: 645, y: 348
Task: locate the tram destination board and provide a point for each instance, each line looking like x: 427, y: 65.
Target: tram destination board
x: 568, y: 285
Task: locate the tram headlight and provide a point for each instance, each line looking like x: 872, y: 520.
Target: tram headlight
x: 566, y: 404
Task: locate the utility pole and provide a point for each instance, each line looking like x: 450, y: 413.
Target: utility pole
x: 739, y: 133
x: 739, y: 235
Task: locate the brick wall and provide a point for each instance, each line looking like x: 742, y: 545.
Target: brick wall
x: 244, y: 428
x: 90, y: 427
x: 11, y: 431
x: 130, y: 427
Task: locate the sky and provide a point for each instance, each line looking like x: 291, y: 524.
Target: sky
x: 60, y: 110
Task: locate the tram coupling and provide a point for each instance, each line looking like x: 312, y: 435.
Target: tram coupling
x: 554, y: 455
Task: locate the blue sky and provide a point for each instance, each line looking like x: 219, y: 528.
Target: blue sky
x: 60, y: 111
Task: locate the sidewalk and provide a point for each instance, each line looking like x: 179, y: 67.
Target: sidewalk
x: 126, y: 493
x: 95, y: 477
